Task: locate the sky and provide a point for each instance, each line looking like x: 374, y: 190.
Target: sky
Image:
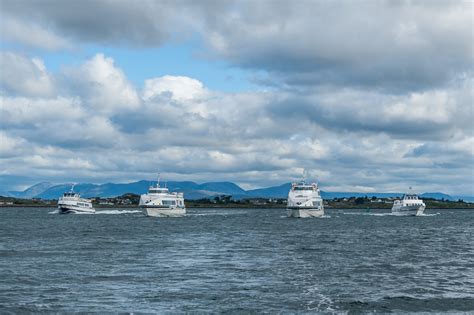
x: 367, y: 96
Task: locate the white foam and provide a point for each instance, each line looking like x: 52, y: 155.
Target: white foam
x: 323, y: 303
x: 390, y: 214
x: 428, y: 214
x: 216, y: 213
x: 117, y: 211
x: 368, y: 213
x: 54, y: 212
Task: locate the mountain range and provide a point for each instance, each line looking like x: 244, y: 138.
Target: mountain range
x: 192, y: 190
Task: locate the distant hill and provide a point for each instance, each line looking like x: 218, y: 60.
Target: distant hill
x: 270, y: 192
x: 31, y: 192
x: 194, y: 191
x: 191, y: 190
x: 437, y: 195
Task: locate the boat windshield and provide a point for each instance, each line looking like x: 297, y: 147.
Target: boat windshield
x: 303, y: 188
x: 68, y: 194
x: 157, y: 190
x: 169, y: 202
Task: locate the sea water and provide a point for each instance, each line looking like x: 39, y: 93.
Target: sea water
x: 233, y: 260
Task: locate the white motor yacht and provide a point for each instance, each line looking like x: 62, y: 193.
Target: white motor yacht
x: 410, y: 204
x: 71, y: 202
x: 304, y: 201
x: 160, y: 202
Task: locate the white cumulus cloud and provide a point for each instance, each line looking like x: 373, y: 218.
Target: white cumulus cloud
x: 103, y: 86
x: 20, y: 75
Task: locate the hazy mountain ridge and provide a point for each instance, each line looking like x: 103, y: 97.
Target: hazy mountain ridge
x: 32, y: 191
x: 193, y: 190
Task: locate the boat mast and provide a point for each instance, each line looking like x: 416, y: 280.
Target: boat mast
x: 303, y: 179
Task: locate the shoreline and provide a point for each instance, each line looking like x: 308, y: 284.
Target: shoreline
x: 255, y: 207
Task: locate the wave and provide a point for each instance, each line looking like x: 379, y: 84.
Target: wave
x: 408, y: 304
x: 117, y: 211
x: 390, y: 214
x: 320, y: 301
x: 325, y: 216
x: 373, y: 214
x: 215, y: 213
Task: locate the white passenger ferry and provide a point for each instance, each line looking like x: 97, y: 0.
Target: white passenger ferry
x: 159, y: 202
x: 410, y: 204
x: 71, y: 202
x: 304, y: 201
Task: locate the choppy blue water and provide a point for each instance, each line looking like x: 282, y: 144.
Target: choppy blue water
x: 223, y: 260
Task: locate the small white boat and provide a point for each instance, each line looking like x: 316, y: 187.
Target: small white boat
x: 71, y: 202
x: 304, y: 201
x: 410, y: 204
x: 159, y: 202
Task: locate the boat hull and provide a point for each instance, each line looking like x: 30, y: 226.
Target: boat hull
x: 304, y: 213
x: 165, y: 212
x: 73, y: 209
x: 409, y: 210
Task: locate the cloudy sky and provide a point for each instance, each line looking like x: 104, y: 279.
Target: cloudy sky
x: 365, y: 95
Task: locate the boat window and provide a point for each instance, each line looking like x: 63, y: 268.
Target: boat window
x: 303, y: 188
x: 156, y: 191
x: 169, y: 202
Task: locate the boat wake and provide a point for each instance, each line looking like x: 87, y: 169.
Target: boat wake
x: 216, y: 213
x: 102, y: 212
x: 390, y: 214
x: 373, y: 214
x: 117, y: 211
x: 428, y: 214
x: 325, y: 216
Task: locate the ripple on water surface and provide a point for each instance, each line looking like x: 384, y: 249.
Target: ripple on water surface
x: 236, y: 260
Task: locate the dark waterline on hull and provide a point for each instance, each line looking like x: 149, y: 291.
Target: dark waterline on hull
x: 236, y: 260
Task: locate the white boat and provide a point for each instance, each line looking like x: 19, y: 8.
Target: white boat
x: 71, y: 202
x: 160, y: 202
x: 410, y: 204
x: 304, y: 201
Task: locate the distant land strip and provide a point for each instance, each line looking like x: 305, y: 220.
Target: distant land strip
x: 226, y: 201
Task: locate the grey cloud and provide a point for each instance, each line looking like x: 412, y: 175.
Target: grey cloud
x: 446, y: 155
x: 430, y: 115
x: 104, y: 22
x: 23, y: 76
x: 390, y: 46
x: 254, y: 138
x: 381, y: 45
x: 145, y: 23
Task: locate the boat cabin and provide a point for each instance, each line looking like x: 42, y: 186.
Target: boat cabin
x: 71, y: 195
x: 303, y: 186
x: 410, y: 197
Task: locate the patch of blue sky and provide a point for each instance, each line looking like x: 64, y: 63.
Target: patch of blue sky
x: 177, y: 59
